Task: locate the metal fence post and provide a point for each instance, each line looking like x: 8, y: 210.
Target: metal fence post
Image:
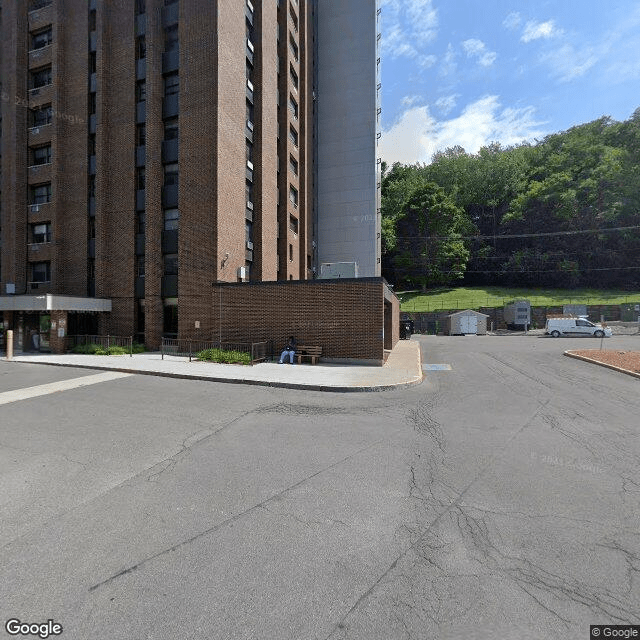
x: 162, y: 349
x: 131, y: 347
x: 189, y: 350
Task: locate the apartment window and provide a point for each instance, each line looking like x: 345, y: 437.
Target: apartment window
x: 171, y: 174
x: 91, y: 187
x: 249, y: 70
x: 170, y: 2
x: 171, y: 41
x: 140, y: 266
x: 91, y: 144
x: 92, y: 104
x: 294, y: 77
x: 141, y: 178
x: 40, y: 78
x: 141, y: 91
x: 141, y: 222
x: 293, y: 135
x: 41, y: 193
x: 290, y: 253
x: 92, y: 20
x: 93, y: 65
x: 171, y: 219
x: 293, y: 224
x: 41, y: 232
x: 250, y: 112
x: 42, y: 38
x: 249, y: 190
x: 293, y: 165
x: 41, y: 155
x: 141, y: 135
x: 249, y: 30
x: 248, y: 231
x: 293, y: 47
x: 249, y: 151
x: 141, y: 7
x: 171, y: 264
x: 171, y: 84
x: 171, y: 129
x: 141, y: 48
x: 293, y: 107
x: 41, y: 116
x: 41, y: 272
x: 294, y: 18
x: 293, y: 195
x: 91, y: 229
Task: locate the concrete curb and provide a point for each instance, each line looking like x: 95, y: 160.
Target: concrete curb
x: 260, y: 383
x: 602, y: 364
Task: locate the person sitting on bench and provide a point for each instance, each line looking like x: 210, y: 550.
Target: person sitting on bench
x: 289, y: 349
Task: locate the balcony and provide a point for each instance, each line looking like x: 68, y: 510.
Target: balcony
x: 40, y: 14
x: 39, y: 135
x: 40, y: 95
x: 40, y: 57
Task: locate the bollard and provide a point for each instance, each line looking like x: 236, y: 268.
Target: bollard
x: 9, y: 345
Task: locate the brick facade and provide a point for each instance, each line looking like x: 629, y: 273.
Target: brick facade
x: 125, y: 261
x: 348, y: 318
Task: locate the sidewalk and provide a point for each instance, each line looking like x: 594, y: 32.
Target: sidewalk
x: 403, y: 367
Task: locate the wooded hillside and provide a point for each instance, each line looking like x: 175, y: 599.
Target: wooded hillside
x: 564, y: 212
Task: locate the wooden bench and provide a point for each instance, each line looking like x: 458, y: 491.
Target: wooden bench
x: 313, y: 353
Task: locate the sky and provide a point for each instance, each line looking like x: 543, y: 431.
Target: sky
x: 472, y: 72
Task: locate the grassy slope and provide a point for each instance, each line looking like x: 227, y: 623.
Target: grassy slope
x: 472, y: 298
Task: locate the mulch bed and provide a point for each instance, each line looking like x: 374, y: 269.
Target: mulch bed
x: 628, y: 361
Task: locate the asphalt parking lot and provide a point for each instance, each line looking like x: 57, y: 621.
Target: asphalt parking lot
x: 499, y: 498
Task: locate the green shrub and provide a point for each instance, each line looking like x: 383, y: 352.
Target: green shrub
x: 226, y: 357
x: 98, y: 350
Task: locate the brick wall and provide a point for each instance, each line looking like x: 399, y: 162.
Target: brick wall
x: 345, y: 317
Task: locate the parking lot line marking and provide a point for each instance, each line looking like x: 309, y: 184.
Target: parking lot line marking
x: 436, y: 367
x: 63, y: 385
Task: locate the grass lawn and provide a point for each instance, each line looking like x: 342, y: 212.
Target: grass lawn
x: 473, y: 298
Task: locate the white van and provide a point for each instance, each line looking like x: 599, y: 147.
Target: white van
x: 575, y: 327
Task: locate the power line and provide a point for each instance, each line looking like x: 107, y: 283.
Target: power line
x: 519, y: 235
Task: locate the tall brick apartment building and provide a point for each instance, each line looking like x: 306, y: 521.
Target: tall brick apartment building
x: 151, y: 148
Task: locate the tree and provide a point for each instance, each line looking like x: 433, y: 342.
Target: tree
x: 431, y: 250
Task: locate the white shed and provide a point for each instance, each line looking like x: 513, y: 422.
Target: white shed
x: 466, y: 322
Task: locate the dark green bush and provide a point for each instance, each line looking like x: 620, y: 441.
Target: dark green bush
x: 228, y: 357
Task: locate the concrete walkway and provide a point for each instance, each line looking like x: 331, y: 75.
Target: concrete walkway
x: 403, y: 367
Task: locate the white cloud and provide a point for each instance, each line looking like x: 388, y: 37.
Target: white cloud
x: 568, y: 63
x: 449, y: 65
x: 537, y: 30
x: 512, y: 21
x: 477, y: 49
x: 446, y: 104
x: 407, y: 28
x: 418, y: 135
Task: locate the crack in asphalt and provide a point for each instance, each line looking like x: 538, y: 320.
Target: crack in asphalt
x: 230, y: 520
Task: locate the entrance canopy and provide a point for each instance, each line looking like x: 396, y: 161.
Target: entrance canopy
x: 52, y: 302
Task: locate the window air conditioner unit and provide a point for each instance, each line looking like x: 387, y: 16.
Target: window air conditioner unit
x: 250, y: 205
x: 35, y: 208
x: 35, y: 130
x: 242, y: 272
x: 250, y: 245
